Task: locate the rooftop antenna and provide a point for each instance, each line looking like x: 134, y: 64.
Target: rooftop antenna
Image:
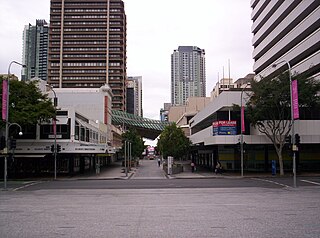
x: 222, y: 72
x: 229, y: 72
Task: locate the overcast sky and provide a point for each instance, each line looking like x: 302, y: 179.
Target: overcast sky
x: 154, y: 29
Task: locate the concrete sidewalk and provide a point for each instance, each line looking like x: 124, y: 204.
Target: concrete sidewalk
x: 205, y: 173
x: 116, y: 171
x: 198, y: 173
x: 113, y: 171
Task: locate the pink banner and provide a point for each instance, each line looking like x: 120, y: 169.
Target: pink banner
x: 242, y: 120
x: 295, y: 102
x: 4, y: 99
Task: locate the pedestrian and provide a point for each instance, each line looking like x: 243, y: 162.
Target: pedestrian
x: 192, y: 167
x: 159, y: 162
x: 218, y: 168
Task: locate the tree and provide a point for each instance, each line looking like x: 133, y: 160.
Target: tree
x: 269, y: 108
x: 137, y: 143
x: 173, y: 142
x: 28, y: 105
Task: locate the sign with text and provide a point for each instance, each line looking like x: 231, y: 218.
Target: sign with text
x: 224, y: 128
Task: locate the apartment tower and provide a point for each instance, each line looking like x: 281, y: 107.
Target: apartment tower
x: 134, y: 95
x: 188, y: 74
x: 87, y: 46
x: 288, y: 33
x: 35, y: 51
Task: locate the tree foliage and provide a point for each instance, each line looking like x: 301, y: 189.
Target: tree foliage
x: 137, y: 143
x: 269, y: 108
x: 27, y: 104
x: 173, y: 142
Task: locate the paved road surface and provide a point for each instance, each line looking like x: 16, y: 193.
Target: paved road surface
x: 152, y: 213
x: 150, y: 206
x: 149, y: 169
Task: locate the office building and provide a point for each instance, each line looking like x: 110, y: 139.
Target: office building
x: 35, y: 51
x: 87, y: 46
x: 188, y: 74
x: 287, y: 31
x: 165, y: 111
x: 134, y: 95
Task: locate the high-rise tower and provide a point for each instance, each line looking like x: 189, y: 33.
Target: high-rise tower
x: 188, y: 74
x: 134, y: 95
x: 35, y: 50
x: 286, y: 31
x: 87, y: 46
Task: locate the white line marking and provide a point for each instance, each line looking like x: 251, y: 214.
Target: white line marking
x: 27, y: 185
x: 269, y: 181
x: 307, y: 181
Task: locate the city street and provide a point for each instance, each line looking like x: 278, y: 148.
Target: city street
x: 151, y: 205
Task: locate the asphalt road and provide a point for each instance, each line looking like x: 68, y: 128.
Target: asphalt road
x: 174, y: 212
x: 149, y: 176
x: 165, y: 183
x: 150, y: 205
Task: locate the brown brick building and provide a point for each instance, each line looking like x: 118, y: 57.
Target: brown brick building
x: 83, y: 51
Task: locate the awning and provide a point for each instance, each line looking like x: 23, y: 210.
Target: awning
x: 28, y: 156
x: 87, y: 125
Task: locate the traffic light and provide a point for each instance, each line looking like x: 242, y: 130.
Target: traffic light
x: 244, y: 145
x: 2, y: 142
x: 52, y: 148
x: 58, y: 148
x: 297, y: 139
x: 13, y: 144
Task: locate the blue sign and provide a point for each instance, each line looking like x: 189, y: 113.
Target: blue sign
x: 224, y: 128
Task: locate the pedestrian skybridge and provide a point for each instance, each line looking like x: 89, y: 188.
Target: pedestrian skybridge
x: 147, y: 128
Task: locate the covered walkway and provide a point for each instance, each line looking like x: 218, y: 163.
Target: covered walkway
x: 147, y: 128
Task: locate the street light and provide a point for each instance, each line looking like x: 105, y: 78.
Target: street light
x: 127, y: 155
x: 5, y: 115
x: 292, y: 122
x: 55, y: 104
x: 242, y: 128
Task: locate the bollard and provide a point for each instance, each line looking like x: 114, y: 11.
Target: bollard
x: 273, y: 167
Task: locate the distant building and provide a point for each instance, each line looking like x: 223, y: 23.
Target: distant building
x: 286, y: 31
x: 227, y: 84
x: 188, y: 74
x: 88, y: 46
x: 164, y: 112
x: 182, y: 115
x: 134, y: 95
x: 35, y: 51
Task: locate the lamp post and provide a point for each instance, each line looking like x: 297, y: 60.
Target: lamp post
x: 292, y: 122
x: 130, y: 151
x: 5, y: 115
x: 55, y: 104
x: 242, y: 128
x: 127, y: 154
x: 125, y: 157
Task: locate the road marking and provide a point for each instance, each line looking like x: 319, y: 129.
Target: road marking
x: 27, y: 185
x: 307, y: 181
x: 270, y: 181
